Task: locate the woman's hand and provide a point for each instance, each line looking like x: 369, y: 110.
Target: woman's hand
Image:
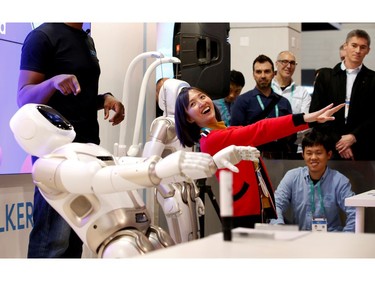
x: 323, y: 115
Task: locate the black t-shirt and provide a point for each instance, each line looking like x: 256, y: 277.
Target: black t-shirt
x: 56, y: 48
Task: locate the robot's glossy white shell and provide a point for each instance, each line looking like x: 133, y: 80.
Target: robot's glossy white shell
x: 40, y: 134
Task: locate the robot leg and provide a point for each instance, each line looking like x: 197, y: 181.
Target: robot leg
x: 132, y: 242
x: 181, y: 206
x: 159, y: 237
x: 124, y: 244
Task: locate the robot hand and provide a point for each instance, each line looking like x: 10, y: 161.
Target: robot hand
x: 231, y: 155
x: 135, y: 150
x: 188, y: 165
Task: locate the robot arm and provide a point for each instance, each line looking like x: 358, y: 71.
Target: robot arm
x: 176, y: 167
x: 162, y: 138
x: 78, y: 163
x: 80, y: 168
x: 94, y: 168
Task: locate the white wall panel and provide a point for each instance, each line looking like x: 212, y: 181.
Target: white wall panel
x: 248, y: 40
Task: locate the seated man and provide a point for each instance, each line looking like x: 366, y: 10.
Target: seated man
x: 315, y: 192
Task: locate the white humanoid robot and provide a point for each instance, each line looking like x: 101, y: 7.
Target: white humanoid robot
x: 179, y: 201
x: 97, y: 193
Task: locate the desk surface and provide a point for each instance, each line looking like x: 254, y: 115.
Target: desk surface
x: 365, y: 199
x: 252, y: 243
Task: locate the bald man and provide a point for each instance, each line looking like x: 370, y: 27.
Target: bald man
x: 284, y: 85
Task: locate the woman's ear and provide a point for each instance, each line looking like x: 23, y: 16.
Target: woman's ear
x: 189, y: 119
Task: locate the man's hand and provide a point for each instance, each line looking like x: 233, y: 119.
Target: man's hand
x: 345, y: 142
x: 347, y: 153
x: 232, y: 155
x: 111, y: 103
x: 66, y: 83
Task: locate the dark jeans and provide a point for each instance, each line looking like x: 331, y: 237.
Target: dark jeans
x: 51, y: 236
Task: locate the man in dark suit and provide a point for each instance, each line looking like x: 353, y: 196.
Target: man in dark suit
x: 352, y: 83
x: 262, y: 102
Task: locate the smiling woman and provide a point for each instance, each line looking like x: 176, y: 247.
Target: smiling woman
x: 198, y: 120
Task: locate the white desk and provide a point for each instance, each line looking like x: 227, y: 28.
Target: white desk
x: 274, y: 244
x: 360, y: 201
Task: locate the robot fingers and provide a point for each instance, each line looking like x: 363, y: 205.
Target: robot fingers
x: 232, y: 155
x: 248, y: 153
x: 193, y: 165
x: 197, y: 165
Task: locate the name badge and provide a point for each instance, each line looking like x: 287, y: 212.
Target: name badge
x: 319, y: 224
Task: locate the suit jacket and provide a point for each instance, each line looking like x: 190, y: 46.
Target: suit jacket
x: 330, y: 87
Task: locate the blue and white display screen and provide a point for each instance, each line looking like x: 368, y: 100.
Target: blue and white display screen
x: 13, y: 160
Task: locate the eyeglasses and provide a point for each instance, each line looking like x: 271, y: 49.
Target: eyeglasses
x: 286, y: 62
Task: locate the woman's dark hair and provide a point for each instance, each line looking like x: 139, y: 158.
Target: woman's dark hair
x: 188, y: 133
x: 316, y: 137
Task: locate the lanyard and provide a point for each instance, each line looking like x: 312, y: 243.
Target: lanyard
x: 262, y: 106
x: 312, y: 198
x: 292, y: 92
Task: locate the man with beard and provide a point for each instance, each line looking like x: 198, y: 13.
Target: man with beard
x: 262, y: 102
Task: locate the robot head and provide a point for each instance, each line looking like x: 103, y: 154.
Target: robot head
x: 168, y: 94
x: 39, y: 129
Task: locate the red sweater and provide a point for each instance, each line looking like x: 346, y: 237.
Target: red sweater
x: 256, y: 134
